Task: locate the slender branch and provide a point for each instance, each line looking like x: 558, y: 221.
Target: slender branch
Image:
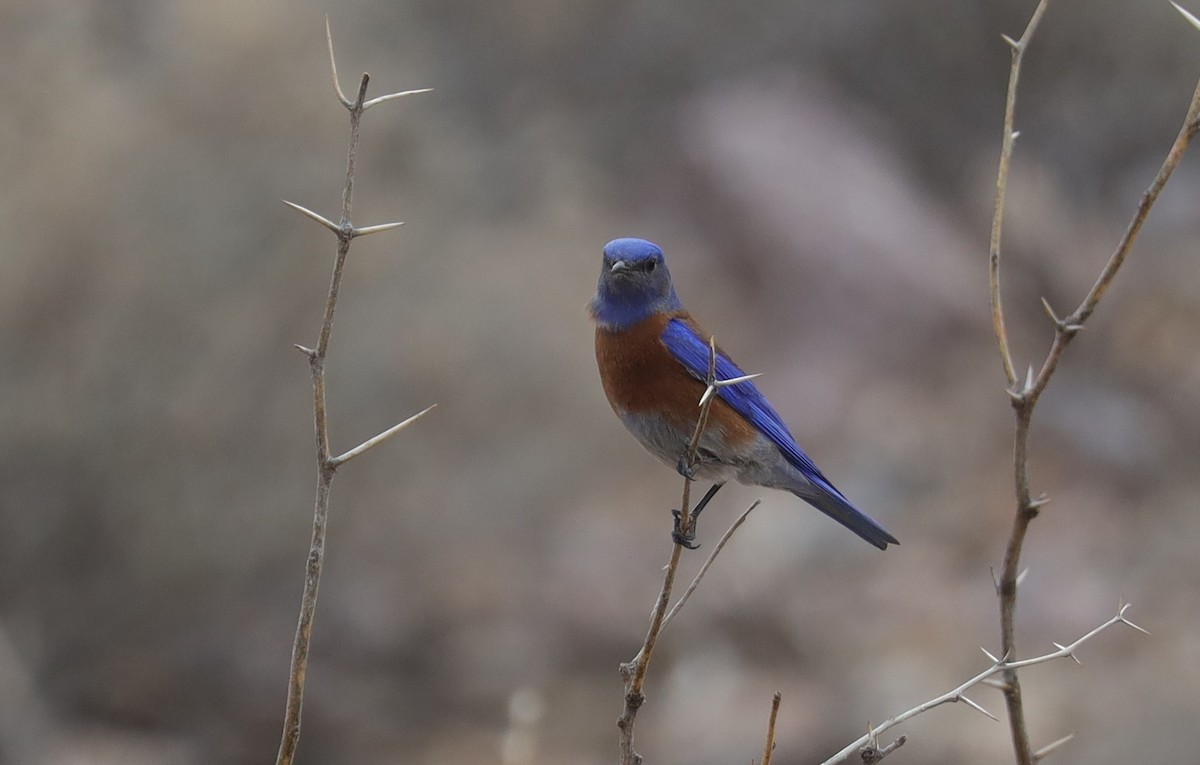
x: 298, y: 672
x: 1006, y: 149
x: 707, y: 563
x: 1191, y: 125
x: 769, y: 747
x: 1067, y: 328
x: 326, y: 466
x: 634, y: 671
x: 706, y: 400
x: 998, y: 666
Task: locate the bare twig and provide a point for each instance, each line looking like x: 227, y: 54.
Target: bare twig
x: 1006, y: 148
x: 634, y: 671
x: 707, y: 563
x: 702, y: 421
x: 1001, y: 666
x: 1025, y: 397
x: 326, y: 466
x: 769, y: 747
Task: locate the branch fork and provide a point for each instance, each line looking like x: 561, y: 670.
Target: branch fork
x: 1024, y: 397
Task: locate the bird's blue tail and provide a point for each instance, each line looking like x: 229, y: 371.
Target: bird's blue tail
x: 839, y: 508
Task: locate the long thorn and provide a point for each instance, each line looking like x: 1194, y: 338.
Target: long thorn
x: 976, y: 707
x: 337, y: 86
x: 1050, y: 312
x: 379, y: 439
x: 314, y: 216
x: 1048, y: 748
x: 711, y: 389
x: 1191, y: 19
x: 367, y: 230
x: 736, y: 380
x: 1121, y: 618
x: 391, y: 96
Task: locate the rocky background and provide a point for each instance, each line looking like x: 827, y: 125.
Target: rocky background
x: 821, y: 176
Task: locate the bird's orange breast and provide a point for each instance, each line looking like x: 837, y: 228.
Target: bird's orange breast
x: 641, y: 376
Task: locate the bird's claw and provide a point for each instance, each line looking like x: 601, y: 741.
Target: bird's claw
x: 686, y: 469
x: 681, y: 538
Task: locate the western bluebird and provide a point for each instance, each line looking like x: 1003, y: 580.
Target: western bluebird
x: 654, y: 359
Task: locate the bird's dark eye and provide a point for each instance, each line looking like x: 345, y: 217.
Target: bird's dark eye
x: 650, y: 266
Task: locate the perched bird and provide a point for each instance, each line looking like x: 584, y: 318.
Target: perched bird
x: 654, y: 359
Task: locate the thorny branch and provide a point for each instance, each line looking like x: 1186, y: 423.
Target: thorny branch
x: 1006, y: 588
x: 1024, y: 396
x: 1006, y: 149
x: 326, y: 465
x: 1000, y: 665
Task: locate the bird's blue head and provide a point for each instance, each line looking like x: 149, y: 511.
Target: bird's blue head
x: 634, y: 284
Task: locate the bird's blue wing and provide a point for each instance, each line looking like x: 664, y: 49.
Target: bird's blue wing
x: 693, y: 352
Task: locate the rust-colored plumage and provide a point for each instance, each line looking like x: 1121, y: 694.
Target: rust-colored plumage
x: 640, y: 376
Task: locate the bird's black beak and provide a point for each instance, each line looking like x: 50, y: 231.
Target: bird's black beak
x: 619, y: 267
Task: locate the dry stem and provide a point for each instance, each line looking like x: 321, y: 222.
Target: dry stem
x: 708, y: 563
x: 769, y: 746
x: 326, y: 466
x: 1025, y: 395
x: 1006, y: 149
x: 998, y: 666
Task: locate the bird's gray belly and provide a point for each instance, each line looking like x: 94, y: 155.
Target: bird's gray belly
x: 762, y: 464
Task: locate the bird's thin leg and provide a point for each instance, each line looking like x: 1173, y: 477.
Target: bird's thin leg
x: 688, y: 540
x: 704, y: 502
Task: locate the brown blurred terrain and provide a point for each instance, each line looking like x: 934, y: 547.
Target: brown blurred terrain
x: 820, y: 175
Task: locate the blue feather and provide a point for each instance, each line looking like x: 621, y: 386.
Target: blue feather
x: 745, y: 399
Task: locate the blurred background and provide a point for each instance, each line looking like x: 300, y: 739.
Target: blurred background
x: 820, y: 175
